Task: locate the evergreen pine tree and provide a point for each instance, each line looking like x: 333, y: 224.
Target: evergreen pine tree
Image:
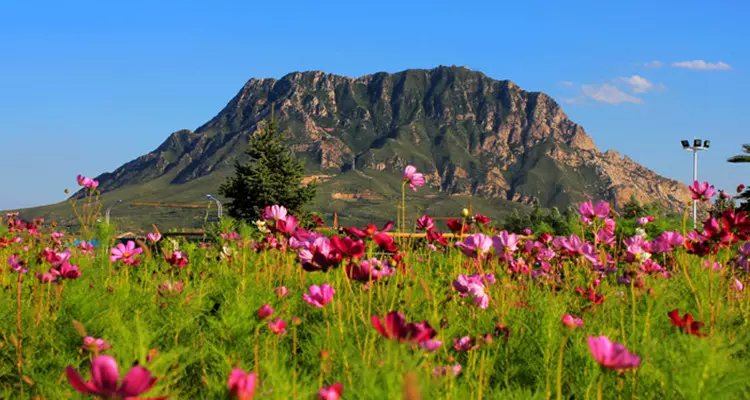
x: 273, y: 175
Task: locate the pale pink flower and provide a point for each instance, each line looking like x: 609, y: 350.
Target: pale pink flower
x: 476, y: 245
x: 319, y: 296
x: 153, y: 237
x: 413, y: 178
x: 281, y: 291
x: 275, y: 212
x: 612, y: 355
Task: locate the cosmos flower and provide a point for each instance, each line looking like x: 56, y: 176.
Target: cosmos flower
x: 612, y: 355
x: 413, y: 178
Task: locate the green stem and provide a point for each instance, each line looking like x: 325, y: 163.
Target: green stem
x: 560, y: 368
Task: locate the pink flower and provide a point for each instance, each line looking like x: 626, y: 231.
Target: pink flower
x: 474, y: 285
x: 505, y: 243
x: 645, y: 220
x: 87, y: 182
x: 265, y: 311
x: 125, y: 252
x: 575, y: 245
x: 46, y: 277
x: 105, y: 376
x: 612, y: 355
x: 281, y: 291
x: 701, y: 191
x: 430, y: 345
x: 454, y: 370
x: 462, y: 344
x: 332, y: 392
x: 86, y: 247
x: 476, y: 245
x: 242, y: 385
x: 16, y: 265
x: 274, y: 212
x: 571, y: 322
x: 319, y: 296
x: 425, y: 223
x: 589, y: 212
x: 278, y: 327
x: 230, y: 236
x: 95, y: 345
x: 66, y: 271
x: 394, y: 326
x: 153, y: 237
x: 366, y: 270
x: 413, y: 178
x: 737, y: 285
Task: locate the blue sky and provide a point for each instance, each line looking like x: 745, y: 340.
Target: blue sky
x: 88, y: 86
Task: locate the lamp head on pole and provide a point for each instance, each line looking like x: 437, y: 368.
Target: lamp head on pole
x: 706, y: 143
x: 685, y: 144
x: 697, y: 143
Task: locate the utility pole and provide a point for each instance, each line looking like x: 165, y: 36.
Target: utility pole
x: 697, y: 146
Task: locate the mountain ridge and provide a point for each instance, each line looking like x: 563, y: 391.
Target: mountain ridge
x: 473, y: 136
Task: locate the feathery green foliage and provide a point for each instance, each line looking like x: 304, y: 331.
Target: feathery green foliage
x: 272, y: 176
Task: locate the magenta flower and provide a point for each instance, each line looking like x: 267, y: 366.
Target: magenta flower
x: 394, y: 326
x: 474, y: 285
x: 153, y: 237
x: 413, y: 178
x: 86, y: 247
x: 319, y: 296
x: 242, y: 385
x: 233, y: 236
x: 612, y: 355
x: 274, y: 212
x: 737, y: 285
x: 105, y: 376
x: 505, y: 243
x: 67, y: 271
x: 701, y: 191
x: 16, y: 265
x: 87, y: 182
x: 178, y: 259
x: 425, y: 223
x: 589, y: 212
x: 265, y: 311
x: 46, y: 277
x: 476, y: 245
x: 462, y: 344
x: 575, y: 245
x: 571, y: 322
x: 645, y: 220
x: 278, y: 327
x: 125, y: 253
x: 366, y: 270
x: 332, y: 392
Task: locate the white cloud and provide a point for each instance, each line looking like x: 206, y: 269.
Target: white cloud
x: 702, y: 65
x: 566, y: 83
x: 654, y: 64
x: 637, y: 83
x: 607, y: 93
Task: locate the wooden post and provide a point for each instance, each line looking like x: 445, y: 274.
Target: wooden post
x: 335, y: 221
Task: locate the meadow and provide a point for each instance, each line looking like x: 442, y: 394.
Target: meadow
x: 272, y: 310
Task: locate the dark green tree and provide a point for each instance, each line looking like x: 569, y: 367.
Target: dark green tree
x: 273, y: 175
x: 744, y: 196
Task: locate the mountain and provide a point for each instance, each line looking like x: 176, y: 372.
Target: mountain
x: 476, y: 138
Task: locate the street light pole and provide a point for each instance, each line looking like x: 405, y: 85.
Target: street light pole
x: 106, y: 213
x: 218, y: 205
x: 696, y: 146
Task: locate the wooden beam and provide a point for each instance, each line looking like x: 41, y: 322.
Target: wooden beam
x: 171, y: 205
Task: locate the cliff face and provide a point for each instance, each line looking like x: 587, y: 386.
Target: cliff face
x: 470, y: 134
